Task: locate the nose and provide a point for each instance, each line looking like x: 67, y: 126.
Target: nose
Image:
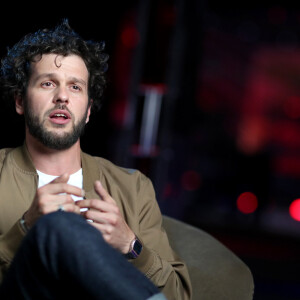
x: 61, y: 96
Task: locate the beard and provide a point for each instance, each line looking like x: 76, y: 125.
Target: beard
x: 53, y: 140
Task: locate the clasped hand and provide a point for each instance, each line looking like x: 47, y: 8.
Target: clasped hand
x: 104, y: 213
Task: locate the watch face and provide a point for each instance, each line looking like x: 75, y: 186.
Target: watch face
x: 136, y: 250
x: 137, y: 247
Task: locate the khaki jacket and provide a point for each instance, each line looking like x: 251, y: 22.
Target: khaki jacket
x: 134, y: 195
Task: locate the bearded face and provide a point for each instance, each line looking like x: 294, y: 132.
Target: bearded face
x: 50, y: 138
x: 56, y: 105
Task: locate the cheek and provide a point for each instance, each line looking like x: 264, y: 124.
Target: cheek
x: 36, y: 109
x: 81, y: 111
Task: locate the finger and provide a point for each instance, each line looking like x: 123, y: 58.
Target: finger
x: 98, y: 205
x: 69, y: 207
x: 96, y: 216
x: 63, y: 178
x: 102, y: 227
x: 60, y: 188
x: 47, y: 202
x: 101, y: 191
x: 62, y: 199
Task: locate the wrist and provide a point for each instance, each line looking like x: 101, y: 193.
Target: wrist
x: 130, y: 239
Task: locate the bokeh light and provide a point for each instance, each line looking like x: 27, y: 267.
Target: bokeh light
x: 130, y: 36
x: 295, y: 209
x: 247, y: 203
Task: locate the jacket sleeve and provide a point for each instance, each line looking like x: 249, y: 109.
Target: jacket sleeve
x: 157, y: 260
x: 9, y: 243
x: 10, y: 240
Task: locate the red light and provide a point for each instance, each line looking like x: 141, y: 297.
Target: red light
x: 130, y: 36
x: 295, y: 209
x: 291, y: 107
x: 247, y: 203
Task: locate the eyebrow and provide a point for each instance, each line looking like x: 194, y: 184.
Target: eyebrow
x: 53, y: 75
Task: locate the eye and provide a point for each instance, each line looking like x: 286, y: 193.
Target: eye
x: 76, y: 87
x: 47, y: 84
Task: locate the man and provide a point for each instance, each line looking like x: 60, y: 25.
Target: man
x: 72, y: 224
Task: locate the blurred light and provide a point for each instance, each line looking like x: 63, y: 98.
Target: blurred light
x: 295, y: 209
x: 247, y: 203
x: 252, y: 134
x: 130, y: 36
x: 291, y: 107
x: 190, y: 180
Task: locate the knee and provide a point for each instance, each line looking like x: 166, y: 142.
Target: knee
x: 60, y: 224
x: 64, y: 227
x: 56, y: 221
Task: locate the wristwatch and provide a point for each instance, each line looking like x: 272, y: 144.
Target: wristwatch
x: 135, y: 249
x: 23, y: 224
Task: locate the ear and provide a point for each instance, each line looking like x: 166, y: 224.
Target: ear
x: 89, y: 112
x: 19, y: 103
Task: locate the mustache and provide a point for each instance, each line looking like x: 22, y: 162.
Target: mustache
x: 60, y: 107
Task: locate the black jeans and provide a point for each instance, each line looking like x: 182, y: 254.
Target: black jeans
x: 64, y: 257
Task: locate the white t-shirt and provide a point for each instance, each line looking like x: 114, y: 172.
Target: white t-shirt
x: 75, y: 179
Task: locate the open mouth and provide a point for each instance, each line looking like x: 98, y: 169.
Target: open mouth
x: 60, y: 116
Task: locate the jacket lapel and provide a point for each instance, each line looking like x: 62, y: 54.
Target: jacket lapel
x: 91, y: 172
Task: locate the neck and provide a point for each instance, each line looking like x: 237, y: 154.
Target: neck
x: 54, y: 162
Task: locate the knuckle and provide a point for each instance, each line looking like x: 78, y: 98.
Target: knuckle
x: 42, y: 200
x: 114, y: 221
x: 73, y: 208
x: 64, y: 187
x: 108, y: 235
x: 88, y: 214
x: 69, y: 199
x: 92, y: 202
x: 95, y: 203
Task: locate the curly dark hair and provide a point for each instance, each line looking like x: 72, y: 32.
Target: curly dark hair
x: 62, y: 40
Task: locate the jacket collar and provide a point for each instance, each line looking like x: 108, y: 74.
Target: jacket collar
x: 23, y: 159
x: 91, y: 172
x: 90, y: 168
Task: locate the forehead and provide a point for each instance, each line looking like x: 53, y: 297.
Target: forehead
x: 71, y: 65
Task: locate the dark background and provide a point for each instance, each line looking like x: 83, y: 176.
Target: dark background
x: 225, y: 81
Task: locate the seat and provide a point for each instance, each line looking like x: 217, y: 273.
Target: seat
x: 215, y: 271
